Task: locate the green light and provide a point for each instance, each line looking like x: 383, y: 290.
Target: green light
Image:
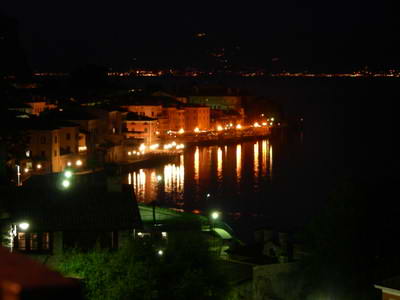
x: 68, y: 174
x: 215, y: 215
x: 66, y: 183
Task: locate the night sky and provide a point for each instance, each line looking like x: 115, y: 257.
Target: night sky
x: 314, y: 35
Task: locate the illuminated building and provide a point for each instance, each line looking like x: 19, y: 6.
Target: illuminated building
x: 141, y: 127
x: 197, y: 117
x: 173, y: 119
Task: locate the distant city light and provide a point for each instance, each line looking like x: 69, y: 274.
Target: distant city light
x: 79, y: 162
x: 164, y: 234
x: 181, y: 131
x: 219, y: 128
x: 69, y: 164
x: 197, y: 129
x: 68, y: 174
x: 256, y: 124
x: 208, y: 195
x: 140, y: 234
x: 272, y: 119
x: 238, y: 126
x: 23, y: 225
x: 159, y: 178
x: 26, y: 170
x: 160, y: 252
x: 82, y: 148
x: 39, y: 166
x: 28, y: 153
x: 142, y: 147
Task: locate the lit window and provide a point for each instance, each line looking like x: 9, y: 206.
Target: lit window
x: 32, y: 241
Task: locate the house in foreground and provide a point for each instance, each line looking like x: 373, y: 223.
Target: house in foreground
x: 44, y: 218
x: 390, y: 288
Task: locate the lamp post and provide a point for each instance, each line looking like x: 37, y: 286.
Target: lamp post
x: 214, y: 216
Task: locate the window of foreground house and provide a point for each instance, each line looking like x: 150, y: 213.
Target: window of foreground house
x: 33, y: 242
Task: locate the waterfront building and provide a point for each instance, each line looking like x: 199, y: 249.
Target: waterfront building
x: 151, y: 111
x: 173, y: 118
x: 141, y: 127
x: 197, y: 116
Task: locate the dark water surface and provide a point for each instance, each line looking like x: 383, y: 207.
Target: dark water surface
x: 349, y: 130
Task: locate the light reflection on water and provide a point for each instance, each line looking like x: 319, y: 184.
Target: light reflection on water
x: 224, y: 171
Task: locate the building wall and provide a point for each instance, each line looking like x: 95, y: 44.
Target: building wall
x: 197, y: 117
x: 151, y: 111
x: 174, y: 119
x: 45, y: 148
x: 69, y: 139
x: 93, y: 135
x: 386, y: 296
x: 146, y: 130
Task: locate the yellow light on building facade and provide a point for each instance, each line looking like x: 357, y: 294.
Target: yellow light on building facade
x: 142, y: 147
x: 26, y: 170
x: 256, y: 124
x: 197, y: 129
x: 219, y: 128
x: 79, y: 163
x: 39, y: 166
x: 238, y: 126
x: 129, y: 153
x: 181, y: 131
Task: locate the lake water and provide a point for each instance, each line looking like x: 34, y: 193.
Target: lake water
x: 349, y: 130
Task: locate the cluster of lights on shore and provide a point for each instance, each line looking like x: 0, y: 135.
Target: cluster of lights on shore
x: 269, y: 122
x: 39, y: 166
x: 143, y: 148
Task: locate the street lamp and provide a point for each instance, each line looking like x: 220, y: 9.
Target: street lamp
x: 23, y: 225
x: 215, y: 215
x: 66, y: 183
x: 160, y: 252
x: 68, y: 174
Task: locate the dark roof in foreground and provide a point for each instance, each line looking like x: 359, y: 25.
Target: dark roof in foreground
x: 76, y: 208
x: 391, y: 283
